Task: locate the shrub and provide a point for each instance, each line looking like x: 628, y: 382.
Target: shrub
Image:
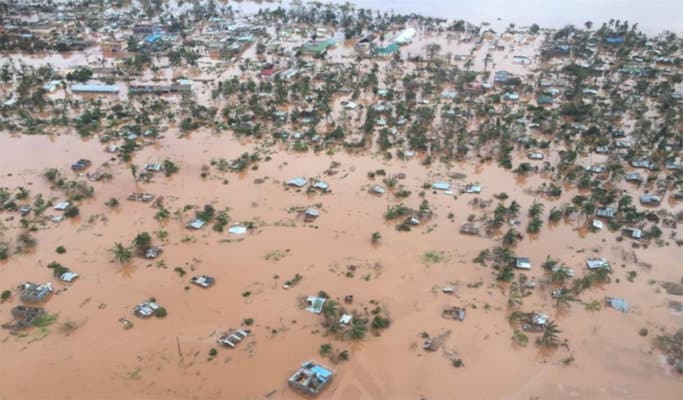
x: 643, y: 332
x: 170, y: 168
x: 5, y: 295
x: 457, y: 363
x: 112, y: 203
x: 160, y: 312
x: 60, y: 250
x: 213, y: 352
x: 71, y: 211
x: 248, y: 321
x: 380, y: 323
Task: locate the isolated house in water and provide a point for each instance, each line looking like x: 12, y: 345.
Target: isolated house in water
x: 35, y: 293
x: 311, y: 378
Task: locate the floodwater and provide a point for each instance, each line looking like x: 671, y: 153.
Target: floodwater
x: 652, y: 16
x: 168, y: 358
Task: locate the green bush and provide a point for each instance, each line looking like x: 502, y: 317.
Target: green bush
x: 160, y: 312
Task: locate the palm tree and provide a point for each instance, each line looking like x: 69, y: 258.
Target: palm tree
x: 550, y: 338
x: 120, y: 253
x: 563, y: 298
x: 560, y: 274
x: 330, y: 309
x: 514, y: 298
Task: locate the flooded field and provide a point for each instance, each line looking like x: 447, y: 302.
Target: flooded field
x: 443, y: 311
x: 168, y: 358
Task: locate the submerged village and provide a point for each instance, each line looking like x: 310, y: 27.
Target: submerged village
x: 319, y: 200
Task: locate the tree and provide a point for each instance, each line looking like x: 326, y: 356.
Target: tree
x: 560, y: 274
x: 330, y: 309
x: 142, y: 242
x: 536, y: 210
x: 80, y: 75
x: 357, y: 330
x: 120, y: 253
x: 563, y: 298
x: 511, y: 237
x: 533, y: 29
x: 550, y: 338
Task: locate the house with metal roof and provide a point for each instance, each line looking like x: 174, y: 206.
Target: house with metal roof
x: 311, y: 378
x: 94, y: 88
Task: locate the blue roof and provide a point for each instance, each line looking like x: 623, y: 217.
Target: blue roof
x: 322, y: 372
x: 153, y: 38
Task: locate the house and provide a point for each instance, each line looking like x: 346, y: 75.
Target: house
x: 602, y: 149
x: 614, y: 40
x: 473, y: 188
x: 51, y: 86
x: 521, y: 60
x: 68, y: 276
x: 204, y: 281
x: 81, y: 164
x: 311, y: 378
x: 315, y: 304
x: 153, y: 167
x: 142, y: 197
x: 298, y: 182
x: 153, y: 252
x: 544, y: 100
x: 644, y: 163
x: 377, y: 189
x: 238, y: 229
x: 502, y: 77
x: 606, y: 212
x: 441, y: 186
x: 512, y: 96
x: 597, y: 263
x: 597, y: 224
x: 617, y: 303
x: 94, y: 88
x: 405, y: 37
x: 457, y: 313
x: 195, y: 224
x: 535, y: 155
x: 146, y: 309
x: 25, y: 209
x: 650, y: 200
x: 522, y: 263
x: 469, y: 229
x: 35, y: 293
x: 317, y: 48
x: 634, y: 177
x: 321, y: 185
x: 61, y: 206
x: 233, y: 337
x: 310, y: 214
x: 534, y: 322
x: 634, y: 233
x: 386, y: 50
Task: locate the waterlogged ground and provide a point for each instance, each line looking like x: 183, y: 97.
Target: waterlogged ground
x: 168, y: 358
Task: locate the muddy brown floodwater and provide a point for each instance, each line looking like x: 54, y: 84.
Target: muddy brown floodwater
x: 168, y: 358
